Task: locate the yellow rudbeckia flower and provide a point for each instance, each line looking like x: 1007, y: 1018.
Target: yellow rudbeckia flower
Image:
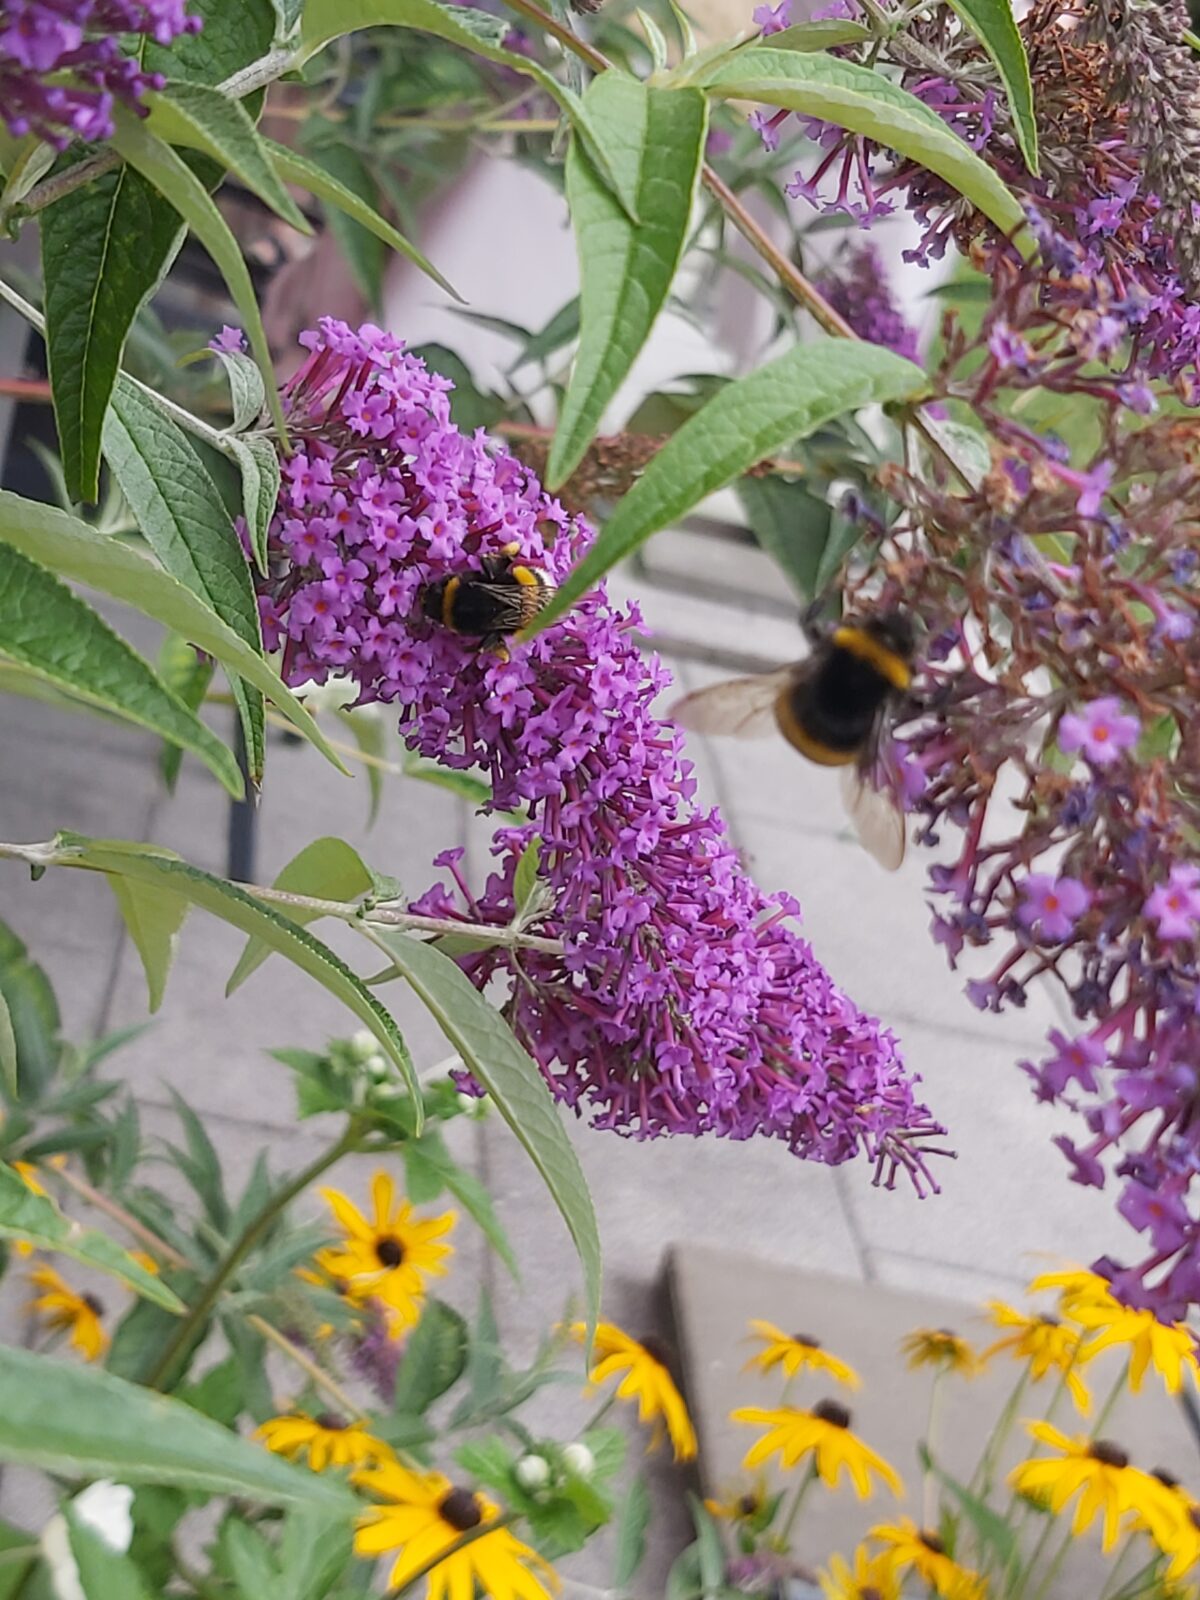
x: 1075, y: 1286
x: 1168, y: 1347
x: 646, y: 1380
x: 822, y: 1433
x: 873, y: 1577
x: 62, y: 1309
x: 797, y: 1352
x: 741, y: 1505
x: 326, y: 1440
x: 388, y: 1256
x: 941, y: 1348
x: 1047, y: 1344
x: 908, y: 1548
x: 1100, y: 1474
x: 1182, y: 1542
x: 423, y: 1516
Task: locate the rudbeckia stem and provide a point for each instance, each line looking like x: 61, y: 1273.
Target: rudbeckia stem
x: 1114, y: 1394
x: 306, y: 1364
x: 929, y: 1486
x: 448, y: 1553
x: 187, y: 1329
x: 981, y: 1482
x: 798, y: 1499
x: 1111, y: 1587
x: 1055, y: 1566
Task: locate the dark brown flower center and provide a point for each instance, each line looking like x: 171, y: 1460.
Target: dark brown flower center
x: 932, y: 1542
x: 807, y: 1340
x: 331, y: 1422
x: 747, y: 1506
x: 1167, y: 1479
x: 655, y: 1349
x: 95, y: 1306
x: 1047, y: 1321
x: 389, y: 1252
x: 832, y: 1412
x: 1110, y: 1454
x: 1194, y: 1516
x: 461, y: 1509
x: 948, y: 1333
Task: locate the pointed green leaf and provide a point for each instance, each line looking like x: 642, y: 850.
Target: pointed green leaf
x: 993, y: 24
x: 862, y: 101
x: 824, y: 34
x: 103, y: 1573
x: 77, y: 551
x: 246, y: 388
x: 327, y: 869
x: 188, y: 674
x: 429, y: 1165
x: 791, y: 524
x: 86, y: 1423
x: 183, y: 518
x: 33, y: 1012
x: 8, y: 1051
x: 510, y: 1075
x: 741, y: 424
x: 38, y: 1220
x: 202, y: 118
x: 233, y: 34
x: 46, y: 627
x: 435, y: 1356
x: 235, y: 905
x: 300, y: 170
x: 178, y: 184
x: 325, y: 20
x: 105, y: 249
x: 154, y: 917
x: 655, y: 141
x: 258, y: 464
x: 632, y: 1524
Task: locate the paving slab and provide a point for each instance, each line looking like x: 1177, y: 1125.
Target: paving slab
x: 715, y: 1292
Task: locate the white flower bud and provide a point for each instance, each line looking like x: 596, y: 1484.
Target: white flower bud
x: 578, y: 1459
x: 533, y: 1472
x: 102, y: 1507
x: 364, y: 1044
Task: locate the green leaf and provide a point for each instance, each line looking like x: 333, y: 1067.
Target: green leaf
x: 48, y: 629
x: 105, y: 249
x: 300, y: 170
x: 76, y: 551
x: 791, y: 524
x: 327, y: 869
x: 235, y: 33
x: 183, y: 518
x: 37, y: 1219
x: 313, y: 1552
x: 325, y: 20
x: 993, y: 1530
x: 85, y: 1423
x: 8, y: 1050
x: 742, y: 423
x: 202, y: 118
x: 33, y: 1012
x: 258, y: 463
x: 370, y: 735
x: 511, y: 1076
x: 655, y: 142
x: 435, y: 1357
x: 632, y: 1524
x: 246, y: 389
x: 427, y: 1162
x: 153, y: 917
x: 826, y: 34
x: 862, y: 101
x: 365, y: 251
x: 993, y: 24
x: 104, y: 1573
x: 179, y: 185
x: 234, y: 905
x: 288, y: 12
x: 709, y: 1550
x: 187, y: 674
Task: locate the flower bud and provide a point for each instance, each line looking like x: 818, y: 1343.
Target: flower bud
x: 533, y: 1472
x: 363, y: 1045
x: 579, y: 1460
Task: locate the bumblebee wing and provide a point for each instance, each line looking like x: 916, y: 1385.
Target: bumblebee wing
x: 878, y: 820
x: 743, y: 708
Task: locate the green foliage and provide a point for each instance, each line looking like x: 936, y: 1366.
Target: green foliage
x: 435, y: 1357
x: 655, y: 139
x: 327, y: 869
x: 153, y: 917
x: 993, y: 24
x: 33, y: 1016
x: 745, y: 421
x: 105, y: 249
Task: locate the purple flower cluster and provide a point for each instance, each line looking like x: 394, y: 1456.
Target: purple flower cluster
x: 62, y: 65
x: 681, y: 1001
x: 857, y: 288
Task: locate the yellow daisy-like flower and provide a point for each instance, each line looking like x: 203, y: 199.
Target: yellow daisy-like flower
x: 1047, y: 1344
x: 62, y: 1309
x: 908, y: 1548
x: 796, y: 1352
x: 941, y: 1348
x: 326, y: 1440
x: 873, y: 1577
x: 389, y: 1256
x: 1182, y: 1543
x: 1169, y: 1347
x: 1107, y: 1486
x: 646, y: 1380
x: 822, y: 1433
x: 423, y: 1517
x: 1075, y: 1286
x: 740, y: 1505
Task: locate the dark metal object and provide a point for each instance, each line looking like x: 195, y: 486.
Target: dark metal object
x: 243, y: 818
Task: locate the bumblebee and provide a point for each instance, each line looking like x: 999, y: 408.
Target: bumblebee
x: 835, y: 708
x: 498, y: 599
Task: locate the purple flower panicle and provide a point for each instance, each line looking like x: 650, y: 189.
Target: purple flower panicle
x: 681, y: 1000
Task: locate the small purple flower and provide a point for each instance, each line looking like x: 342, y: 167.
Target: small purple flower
x: 230, y: 341
x: 1051, y: 906
x: 1101, y: 730
x: 1164, y: 1216
x: 773, y: 19
x: 1009, y: 348
x: 1073, y: 1059
x: 1175, y: 905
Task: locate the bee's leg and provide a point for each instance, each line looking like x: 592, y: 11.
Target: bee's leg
x: 493, y: 644
x: 814, y: 622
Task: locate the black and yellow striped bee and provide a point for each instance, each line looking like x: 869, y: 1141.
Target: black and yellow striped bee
x: 835, y: 708
x: 488, y: 604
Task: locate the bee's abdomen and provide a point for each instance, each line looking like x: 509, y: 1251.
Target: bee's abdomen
x: 829, y: 716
